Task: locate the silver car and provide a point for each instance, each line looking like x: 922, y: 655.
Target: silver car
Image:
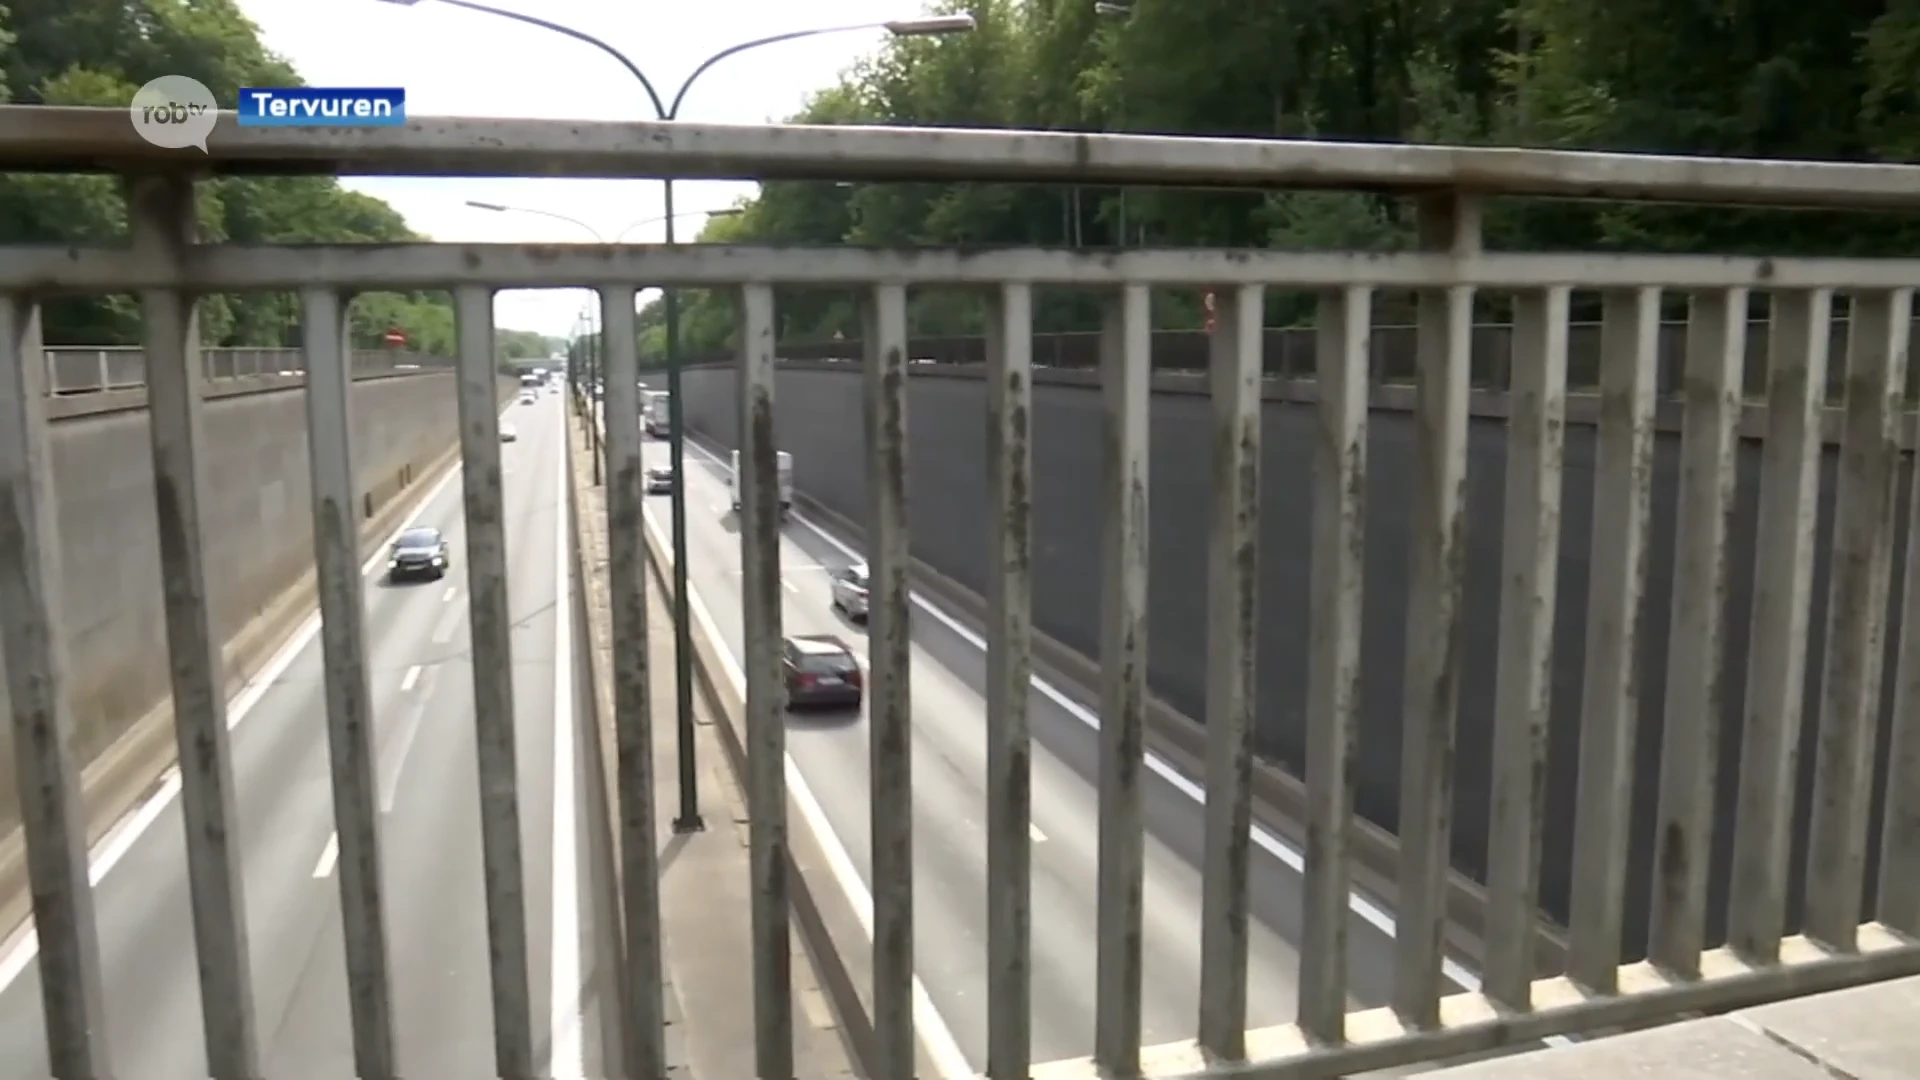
x: 850, y: 591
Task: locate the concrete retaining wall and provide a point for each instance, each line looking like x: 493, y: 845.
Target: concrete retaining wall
x: 819, y: 420
x: 260, y: 540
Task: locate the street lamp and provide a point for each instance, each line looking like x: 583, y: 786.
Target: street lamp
x: 587, y: 404
x: 689, y: 816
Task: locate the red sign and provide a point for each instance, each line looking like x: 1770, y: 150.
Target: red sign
x: 395, y: 337
x: 1209, y: 311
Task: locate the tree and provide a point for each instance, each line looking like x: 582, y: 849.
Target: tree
x: 98, y: 52
x: 1774, y: 78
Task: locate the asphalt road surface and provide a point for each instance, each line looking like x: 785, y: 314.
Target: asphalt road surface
x: 949, y: 776
x: 421, y: 679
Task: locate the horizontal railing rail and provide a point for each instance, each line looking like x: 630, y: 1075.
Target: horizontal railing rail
x: 73, y: 369
x: 1435, y: 1007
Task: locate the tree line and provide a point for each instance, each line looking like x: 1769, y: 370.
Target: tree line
x: 99, y: 52
x: 1761, y: 78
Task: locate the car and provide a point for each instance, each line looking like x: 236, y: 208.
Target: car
x: 820, y: 670
x: 850, y: 591
x: 528, y: 397
x: 508, y: 434
x: 419, y: 553
x: 660, y: 480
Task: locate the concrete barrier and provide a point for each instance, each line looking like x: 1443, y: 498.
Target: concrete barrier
x: 259, y: 550
x: 820, y: 421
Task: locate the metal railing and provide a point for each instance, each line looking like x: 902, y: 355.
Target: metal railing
x: 82, y: 370
x: 1514, y: 1001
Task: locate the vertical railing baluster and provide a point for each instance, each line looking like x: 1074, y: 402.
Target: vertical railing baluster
x: 350, y: 718
x: 643, y: 1028
x: 1125, y: 362
x: 162, y: 220
x: 766, y: 712
x: 1878, y: 324
x: 1711, y: 375
x: 1341, y: 355
x: 1898, y: 902
x: 1610, y: 700
x: 492, y: 651
x: 1009, y: 679
x: 1529, y: 579
x: 1436, y: 537
x: 45, y: 760
x: 1233, y: 622
x: 1777, y: 651
x: 890, y: 656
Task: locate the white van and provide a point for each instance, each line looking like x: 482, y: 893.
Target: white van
x: 786, y: 481
x: 655, y: 415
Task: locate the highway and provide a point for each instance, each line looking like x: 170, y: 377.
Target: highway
x: 949, y: 783
x: 421, y: 681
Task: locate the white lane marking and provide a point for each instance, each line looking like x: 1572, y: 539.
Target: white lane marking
x: 935, y: 1036
x: 452, y: 591
x: 412, y: 676
x: 120, y: 838
x: 410, y: 727
x: 791, y: 587
x: 567, y: 1056
x: 328, y: 856
x: 448, y: 624
x: 1034, y: 834
x: 1375, y: 915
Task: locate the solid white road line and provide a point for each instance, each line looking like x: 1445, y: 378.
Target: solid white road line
x: 412, y: 676
x: 931, y: 1028
x: 567, y: 1057
x: 1374, y: 915
x: 119, y: 840
x: 452, y: 591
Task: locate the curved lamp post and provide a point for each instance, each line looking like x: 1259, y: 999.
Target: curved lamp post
x: 689, y: 814
x: 587, y: 314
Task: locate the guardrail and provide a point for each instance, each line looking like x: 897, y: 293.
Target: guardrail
x: 1433, y: 1010
x: 87, y: 370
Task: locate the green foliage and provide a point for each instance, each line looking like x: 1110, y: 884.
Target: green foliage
x: 98, y: 52
x: 1776, y: 78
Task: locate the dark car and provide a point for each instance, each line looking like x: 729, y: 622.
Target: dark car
x: 821, y: 671
x: 419, y: 553
x: 660, y: 480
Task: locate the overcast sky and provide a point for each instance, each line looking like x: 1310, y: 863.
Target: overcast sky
x: 454, y: 62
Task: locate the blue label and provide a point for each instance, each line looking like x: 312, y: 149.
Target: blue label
x: 322, y: 106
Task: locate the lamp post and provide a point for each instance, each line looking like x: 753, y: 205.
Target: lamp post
x: 689, y: 819
x: 1114, y: 12
x: 590, y: 405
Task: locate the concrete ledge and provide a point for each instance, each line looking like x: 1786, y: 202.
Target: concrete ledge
x: 136, y: 764
x: 1863, y: 1033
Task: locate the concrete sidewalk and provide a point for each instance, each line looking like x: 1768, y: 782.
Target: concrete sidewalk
x: 704, y: 884
x: 1864, y: 1033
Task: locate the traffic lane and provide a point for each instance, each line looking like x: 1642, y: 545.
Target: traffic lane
x: 432, y: 866
x: 950, y: 843
x: 949, y: 798
x: 283, y: 809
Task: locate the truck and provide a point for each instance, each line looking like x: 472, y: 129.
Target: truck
x: 786, y: 481
x: 654, y: 415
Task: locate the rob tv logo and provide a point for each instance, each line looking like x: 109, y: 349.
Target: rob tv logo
x: 322, y: 106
